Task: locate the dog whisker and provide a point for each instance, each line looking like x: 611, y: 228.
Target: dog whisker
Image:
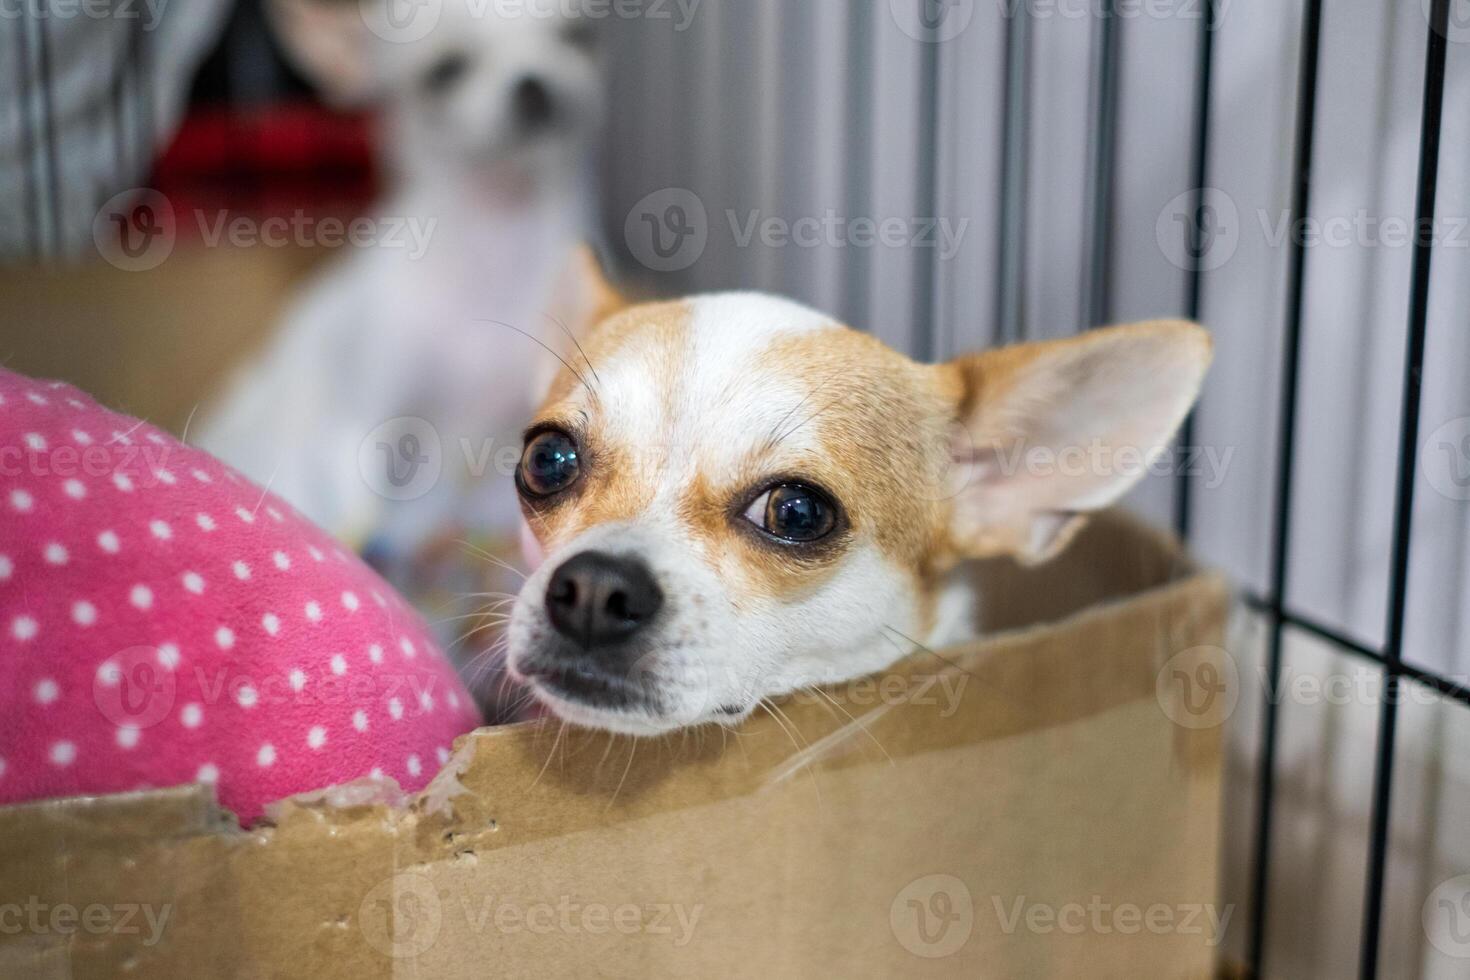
x: 632, y: 749
x: 803, y: 749
x: 917, y: 647
x: 559, y: 732
x: 573, y: 338
x: 775, y: 438
x: 567, y: 364
x: 492, y: 559
x: 860, y: 724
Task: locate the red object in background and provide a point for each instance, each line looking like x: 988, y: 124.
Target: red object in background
x: 275, y: 161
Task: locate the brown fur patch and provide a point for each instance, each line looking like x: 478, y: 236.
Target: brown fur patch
x: 613, y: 485
x: 883, y: 422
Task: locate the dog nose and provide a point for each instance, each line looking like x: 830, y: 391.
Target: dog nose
x: 595, y: 599
x: 532, y: 102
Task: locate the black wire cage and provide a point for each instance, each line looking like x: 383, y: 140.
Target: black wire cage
x: 37, y: 230
x: 1282, y: 618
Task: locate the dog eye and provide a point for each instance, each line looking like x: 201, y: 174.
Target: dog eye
x: 794, y: 512
x: 445, y: 72
x: 549, y: 464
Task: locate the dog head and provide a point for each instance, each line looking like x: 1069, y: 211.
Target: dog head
x: 465, y: 85
x: 737, y: 497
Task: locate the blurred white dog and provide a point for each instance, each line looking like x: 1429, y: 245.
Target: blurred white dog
x: 487, y: 115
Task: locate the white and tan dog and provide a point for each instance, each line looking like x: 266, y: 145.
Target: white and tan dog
x: 488, y: 111
x: 736, y: 497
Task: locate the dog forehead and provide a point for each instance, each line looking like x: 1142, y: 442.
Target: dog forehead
x: 701, y: 372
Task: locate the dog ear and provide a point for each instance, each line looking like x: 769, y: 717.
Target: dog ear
x: 580, y: 300
x: 1051, y: 431
x: 327, y: 41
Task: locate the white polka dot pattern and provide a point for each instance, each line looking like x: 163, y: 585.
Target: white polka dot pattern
x: 163, y: 621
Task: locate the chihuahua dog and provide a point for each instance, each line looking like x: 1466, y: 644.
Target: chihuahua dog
x: 487, y: 111
x: 736, y: 497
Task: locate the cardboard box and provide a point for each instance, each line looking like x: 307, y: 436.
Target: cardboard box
x: 1040, y: 803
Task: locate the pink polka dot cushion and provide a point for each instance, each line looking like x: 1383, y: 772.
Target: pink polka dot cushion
x: 164, y: 621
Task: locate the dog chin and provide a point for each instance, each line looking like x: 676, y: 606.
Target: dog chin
x: 604, y: 719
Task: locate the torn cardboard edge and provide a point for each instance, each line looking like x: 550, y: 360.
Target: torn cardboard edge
x: 1019, y: 605
x: 1081, y: 646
